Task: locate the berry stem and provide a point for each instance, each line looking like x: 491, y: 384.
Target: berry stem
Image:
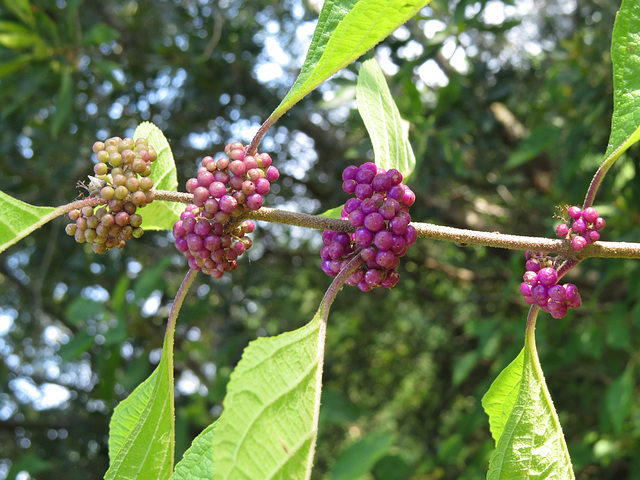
x: 180, y: 295
x: 253, y: 147
x: 595, y: 183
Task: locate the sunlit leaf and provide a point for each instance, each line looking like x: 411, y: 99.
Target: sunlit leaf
x: 389, y: 133
x: 625, y: 56
x: 197, y: 463
x: 530, y: 443
x: 142, y: 430
x: 14, y: 35
x: 160, y: 215
x: 269, y: 423
x: 346, y: 29
x: 18, y: 219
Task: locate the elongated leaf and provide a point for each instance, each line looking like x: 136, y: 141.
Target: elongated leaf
x: 498, y: 402
x: 197, y: 463
x: 160, y: 215
x: 268, y: 426
x: 22, y: 10
x: 18, y: 219
x: 64, y: 100
x: 388, y: 131
x: 625, y: 56
x: 360, y: 458
x: 346, y: 29
x: 14, y: 64
x: 619, y: 400
x: 13, y: 35
x: 530, y: 444
x: 142, y: 429
x: 269, y: 423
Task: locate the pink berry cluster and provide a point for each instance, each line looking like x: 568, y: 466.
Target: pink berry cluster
x: 584, y: 228
x: 210, y: 233
x: 540, y: 287
x: 380, y: 213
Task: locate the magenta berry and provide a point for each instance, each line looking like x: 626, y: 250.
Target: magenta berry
x: 562, y: 230
x: 379, y: 212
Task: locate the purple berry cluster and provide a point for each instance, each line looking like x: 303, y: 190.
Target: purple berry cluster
x: 584, y: 228
x: 540, y: 287
x: 209, y: 232
x: 380, y: 214
x: 122, y: 180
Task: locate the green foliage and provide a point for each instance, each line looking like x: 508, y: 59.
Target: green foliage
x: 346, y: 29
x: 625, y: 45
x: 268, y: 429
x: 197, y: 462
x: 19, y: 219
x: 524, y: 423
x: 160, y: 215
x: 389, y: 133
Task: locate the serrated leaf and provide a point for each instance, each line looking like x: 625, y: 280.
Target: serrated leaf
x: 18, y: 219
x: 142, y: 430
x: 625, y: 56
x: 359, y: 458
x: 530, y: 444
x: 269, y: 422
x: 160, y: 215
x: 197, y: 463
x: 389, y: 133
x: 346, y: 29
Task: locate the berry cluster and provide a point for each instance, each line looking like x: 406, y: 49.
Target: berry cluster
x: 122, y: 180
x: 380, y: 213
x: 209, y: 233
x: 540, y: 287
x: 584, y: 228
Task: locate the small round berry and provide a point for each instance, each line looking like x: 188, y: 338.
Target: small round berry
x: 590, y: 214
x: 547, y: 276
x: 599, y: 224
x: 574, y: 212
x: 578, y: 243
x: 562, y: 230
x: 579, y: 226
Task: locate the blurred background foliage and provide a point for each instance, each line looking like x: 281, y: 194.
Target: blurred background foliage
x: 510, y: 105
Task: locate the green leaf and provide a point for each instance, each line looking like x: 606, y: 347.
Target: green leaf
x: 269, y: 424
x: 99, y: 34
x: 82, y: 309
x: 197, y: 463
x: 539, y: 140
x: 498, y: 402
x: 359, y: 459
x: 22, y: 10
x: 19, y: 219
x: 333, y: 212
x: 160, y: 215
x: 346, y: 29
x: 625, y: 56
x: 64, y: 100
x: 14, y: 35
x: 142, y: 428
x: 14, y: 64
x: 388, y: 131
x: 530, y: 444
x: 619, y: 400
